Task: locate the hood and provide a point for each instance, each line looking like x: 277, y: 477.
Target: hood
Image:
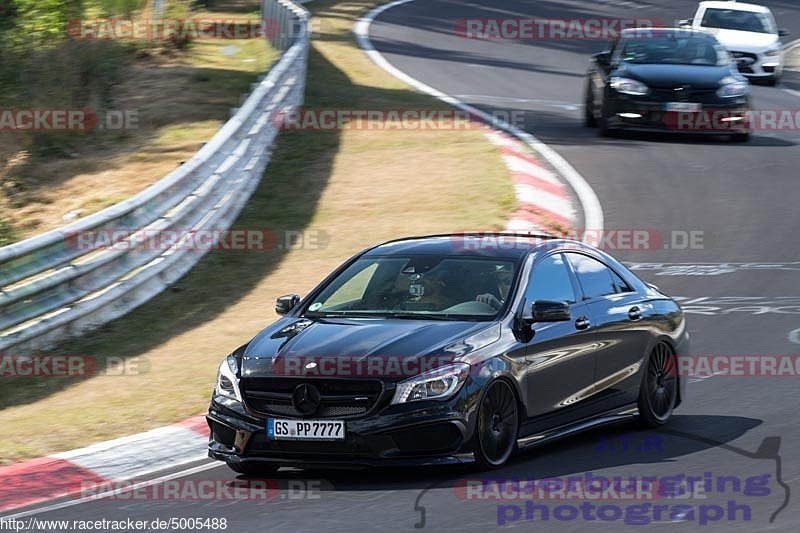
x: 744, y: 41
x: 356, y: 340
x: 668, y: 76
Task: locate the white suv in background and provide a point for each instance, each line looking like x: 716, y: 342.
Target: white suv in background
x: 749, y: 33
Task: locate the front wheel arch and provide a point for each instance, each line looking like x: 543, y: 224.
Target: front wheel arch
x: 669, y: 341
x: 589, y: 102
x: 480, y: 458
x: 659, y: 390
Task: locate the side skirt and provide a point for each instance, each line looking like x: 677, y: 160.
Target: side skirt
x: 617, y: 416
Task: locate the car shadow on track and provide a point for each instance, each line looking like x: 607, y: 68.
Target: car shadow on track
x: 683, y: 138
x: 587, y: 453
x: 684, y: 435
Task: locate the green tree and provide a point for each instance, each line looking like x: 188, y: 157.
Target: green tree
x: 43, y: 23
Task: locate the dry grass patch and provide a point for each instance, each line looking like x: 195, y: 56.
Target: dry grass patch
x: 355, y: 187
x: 180, y: 100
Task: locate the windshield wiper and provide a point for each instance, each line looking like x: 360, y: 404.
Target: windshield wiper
x: 419, y: 316
x: 400, y: 316
x: 338, y: 314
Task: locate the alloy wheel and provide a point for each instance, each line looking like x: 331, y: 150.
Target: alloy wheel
x: 497, y: 424
x: 661, y: 382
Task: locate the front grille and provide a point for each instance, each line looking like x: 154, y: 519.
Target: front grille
x: 744, y: 61
x: 686, y: 95
x: 739, y: 55
x: 340, y: 398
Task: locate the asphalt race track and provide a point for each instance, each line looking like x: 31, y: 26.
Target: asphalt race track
x: 742, y: 197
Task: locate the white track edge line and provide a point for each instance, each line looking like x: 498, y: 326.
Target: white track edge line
x: 590, y: 204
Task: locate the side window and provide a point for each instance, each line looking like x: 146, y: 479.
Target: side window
x: 595, y: 278
x: 550, y: 281
x: 620, y: 284
x: 707, y: 19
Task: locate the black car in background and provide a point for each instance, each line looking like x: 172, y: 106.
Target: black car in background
x: 667, y: 79
x: 449, y: 349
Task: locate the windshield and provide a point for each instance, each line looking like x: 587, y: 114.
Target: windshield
x: 677, y: 51
x: 731, y: 19
x: 423, y: 287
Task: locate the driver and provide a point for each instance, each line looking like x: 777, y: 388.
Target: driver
x: 503, y: 278
x: 431, y: 289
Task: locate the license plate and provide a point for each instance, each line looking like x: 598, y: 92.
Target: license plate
x: 683, y: 106
x: 284, y: 429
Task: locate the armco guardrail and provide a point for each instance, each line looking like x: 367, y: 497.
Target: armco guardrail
x: 51, y: 288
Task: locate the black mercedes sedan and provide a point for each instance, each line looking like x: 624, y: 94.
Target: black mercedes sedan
x: 666, y: 79
x: 449, y: 349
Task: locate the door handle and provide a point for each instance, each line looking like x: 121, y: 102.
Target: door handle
x: 634, y: 313
x: 582, y: 323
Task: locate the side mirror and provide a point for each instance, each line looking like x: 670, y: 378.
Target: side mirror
x: 550, y: 311
x: 783, y: 33
x: 603, y: 58
x: 284, y: 304
x: 685, y: 23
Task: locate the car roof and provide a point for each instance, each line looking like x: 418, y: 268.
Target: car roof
x: 480, y: 244
x: 738, y: 6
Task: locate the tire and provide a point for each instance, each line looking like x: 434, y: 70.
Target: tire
x: 497, y: 427
x: 589, y: 120
x: 602, y: 126
x: 604, y: 131
x: 659, y: 389
x: 740, y: 137
x: 772, y: 81
x: 256, y: 469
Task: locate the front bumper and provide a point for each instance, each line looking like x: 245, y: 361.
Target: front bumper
x: 419, y: 433
x: 717, y: 117
x: 758, y: 65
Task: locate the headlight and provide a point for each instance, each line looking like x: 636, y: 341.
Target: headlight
x: 731, y: 87
x: 629, y: 86
x: 227, y: 382
x: 773, y: 52
x: 437, y: 384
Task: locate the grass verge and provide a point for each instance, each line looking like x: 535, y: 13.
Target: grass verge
x: 178, y: 99
x: 352, y: 187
